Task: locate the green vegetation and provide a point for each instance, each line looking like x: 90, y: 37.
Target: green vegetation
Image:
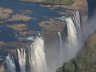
x: 86, y: 62
x: 67, y: 2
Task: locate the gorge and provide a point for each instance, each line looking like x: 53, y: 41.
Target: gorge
x: 48, y: 38
x: 35, y: 56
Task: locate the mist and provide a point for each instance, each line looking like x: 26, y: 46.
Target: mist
x: 70, y: 51
x: 60, y: 49
x: 91, y: 25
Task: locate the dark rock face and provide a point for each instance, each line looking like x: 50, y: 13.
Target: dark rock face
x: 91, y: 7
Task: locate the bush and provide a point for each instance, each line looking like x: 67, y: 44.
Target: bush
x: 86, y: 62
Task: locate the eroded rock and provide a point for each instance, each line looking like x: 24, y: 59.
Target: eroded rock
x: 2, y: 69
x: 52, y: 25
x: 20, y: 17
x: 5, y: 12
x: 19, y: 27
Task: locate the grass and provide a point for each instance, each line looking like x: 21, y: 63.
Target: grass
x: 66, y: 2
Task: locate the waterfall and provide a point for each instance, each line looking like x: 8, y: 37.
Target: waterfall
x: 61, y: 47
x: 72, y: 37
x: 72, y: 44
x: 37, y: 56
x: 77, y: 18
x: 22, y: 59
x: 34, y: 55
x: 77, y: 23
x: 33, y: 58
x: 10, y: 63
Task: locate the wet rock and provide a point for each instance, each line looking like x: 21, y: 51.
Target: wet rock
x: 18, y: 27
x: 49, y: 31
x: 26, y: 12
x: 20, y: 17
x: 27, y: 33
x: 52, y: 25
x: 5, y: 12
x: 2, y: 69
x: 10, y: 45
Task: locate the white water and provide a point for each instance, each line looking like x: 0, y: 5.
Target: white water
x: 35, y: 57
x: 22, y: 59
x: 36, y: 54
x: 72, y: 36
x: 10, y: 64
x: 77, y: 23
x: 72, y: 45
x: 77, y: 18
x: 61, y: 47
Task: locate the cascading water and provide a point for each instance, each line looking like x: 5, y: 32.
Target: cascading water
x: 72, y: 44
x: 36, y: 57
x: 22, y: 59
x: 61, y: 47
x: 36, y: 54
x: 10, y: 64
x: 77, y: 23
x: 77, y: 19
x: 72, y: 37
x: 71, y: 47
